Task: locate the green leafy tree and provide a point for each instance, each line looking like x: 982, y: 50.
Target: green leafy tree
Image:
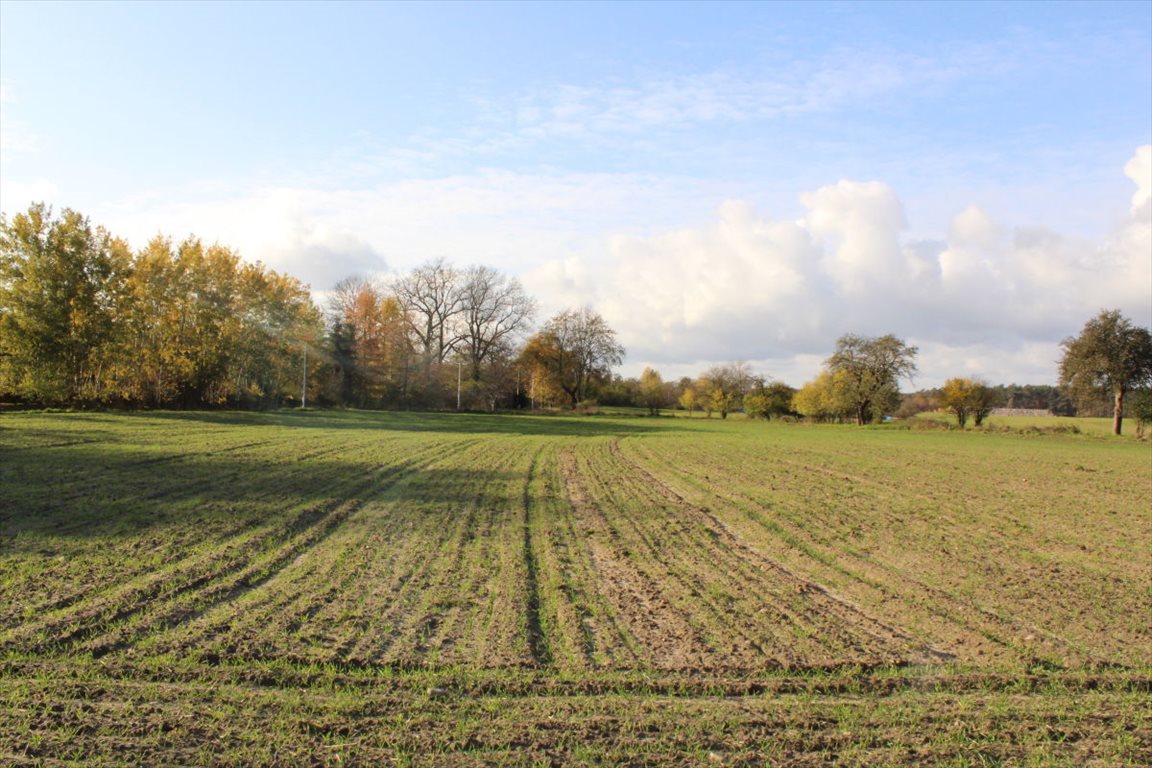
x: 954, y: 398
x: 151, y: 362
x: 756, y: 405
x: 278, y: 321
x: 337, y: 379
x: 820, y: 399
x: 1110, y: 357
x: 1142, y: 411
x: 207, y: 328
x: 868, y: 371
x: 724, y: 386
x: 82, y: 318
x: 983, y: 400
x: 768, y: 399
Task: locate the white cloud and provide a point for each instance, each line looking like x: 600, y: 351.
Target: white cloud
x: 1139, y: 169
x: 281, y: 227
x: 861, y: 224
x: 515, y: 222
x: 16, y: 196
x: 986, y: 298
x: 689, y: 290
x: 974, y: 227
x: 1129, y: 251
x: 1011, y: 361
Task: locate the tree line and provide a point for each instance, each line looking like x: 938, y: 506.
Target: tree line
x: 860, y: 383
x: 441, y: 336
x: 85, y: 320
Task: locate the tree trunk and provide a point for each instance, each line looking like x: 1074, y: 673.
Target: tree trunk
x: 1118, y: 413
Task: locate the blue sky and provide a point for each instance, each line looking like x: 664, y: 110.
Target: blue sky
x: 722, y: 181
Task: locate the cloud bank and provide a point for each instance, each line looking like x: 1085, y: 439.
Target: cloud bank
x: 985, y: 299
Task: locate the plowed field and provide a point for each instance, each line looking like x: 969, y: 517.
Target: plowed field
x: 352, y: 588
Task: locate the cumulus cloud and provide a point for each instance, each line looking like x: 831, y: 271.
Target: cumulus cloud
x: 859, y: 224
x: 1130, y: 249
x: 282, y: 228
x: 1139, y: 169
x: 986, y: 299
x: 693, y: 289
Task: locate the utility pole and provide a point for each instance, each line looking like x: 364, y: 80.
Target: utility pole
x: 304, y: 388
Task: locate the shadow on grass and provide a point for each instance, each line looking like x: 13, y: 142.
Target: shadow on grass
x: 406, y: 421
x: 93, y: 492
x: 99, y: 474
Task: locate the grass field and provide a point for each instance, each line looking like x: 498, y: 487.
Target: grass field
x: 1099, y: 427
x: 412, y: 589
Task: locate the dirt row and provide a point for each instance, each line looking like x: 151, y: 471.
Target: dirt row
x: 657, y: 580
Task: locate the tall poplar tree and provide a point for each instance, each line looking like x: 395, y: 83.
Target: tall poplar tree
x: 61, y: 292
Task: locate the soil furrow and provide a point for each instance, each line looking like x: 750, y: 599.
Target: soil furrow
x: 660, y: 633
x: 819, y: 607
x: 537, y: 640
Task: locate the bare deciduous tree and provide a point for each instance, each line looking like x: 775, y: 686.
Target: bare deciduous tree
x: 431, y: 298
x: 494, y: 309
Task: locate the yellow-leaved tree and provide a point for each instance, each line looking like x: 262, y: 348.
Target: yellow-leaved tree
x: 966, y: 398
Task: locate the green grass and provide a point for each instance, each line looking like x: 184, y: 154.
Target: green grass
x: 446, y: 589
x: 1097, y: 427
